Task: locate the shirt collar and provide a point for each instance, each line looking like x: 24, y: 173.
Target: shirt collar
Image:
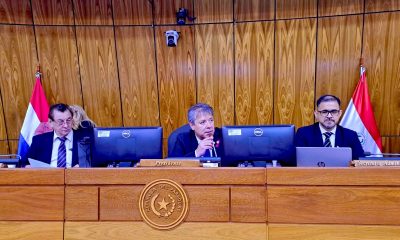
x: 333, y: 131
x: 68, y: 137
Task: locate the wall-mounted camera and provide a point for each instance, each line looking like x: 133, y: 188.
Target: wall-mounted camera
x: 181, y: 16
x: 172, y: 38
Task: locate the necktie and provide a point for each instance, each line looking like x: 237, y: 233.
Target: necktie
x: 327, y: 142
x: 62, y: 153
x: 207, y: 153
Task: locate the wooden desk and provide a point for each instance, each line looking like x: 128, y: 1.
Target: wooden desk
x: 225, y: 203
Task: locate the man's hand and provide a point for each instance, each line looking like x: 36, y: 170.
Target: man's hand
x: 205, y: 144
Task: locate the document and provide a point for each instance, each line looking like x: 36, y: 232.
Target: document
x: 38, y: 164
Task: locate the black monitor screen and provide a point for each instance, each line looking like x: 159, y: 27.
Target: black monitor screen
x: 126, y: 144
x: 259, y: 143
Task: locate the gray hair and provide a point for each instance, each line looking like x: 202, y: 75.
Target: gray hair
x: 199, y: 108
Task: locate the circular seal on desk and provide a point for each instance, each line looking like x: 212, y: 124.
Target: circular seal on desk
x: 163, y: 204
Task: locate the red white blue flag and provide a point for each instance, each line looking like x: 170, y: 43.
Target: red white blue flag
x: 359, y: 117
x: 36, y: 115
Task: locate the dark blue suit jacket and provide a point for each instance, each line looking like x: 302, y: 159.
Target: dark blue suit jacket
x: 186, y: 144
x: 311, y: 136
x: 42, y: 147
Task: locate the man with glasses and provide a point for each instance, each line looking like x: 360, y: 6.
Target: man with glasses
x: 326, y: 132
x: 59, y: 147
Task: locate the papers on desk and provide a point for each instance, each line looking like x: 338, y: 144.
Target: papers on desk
x: 38, y: 164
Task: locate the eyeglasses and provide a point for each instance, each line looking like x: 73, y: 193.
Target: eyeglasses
x: 325, y: 113
x: 61, y: 122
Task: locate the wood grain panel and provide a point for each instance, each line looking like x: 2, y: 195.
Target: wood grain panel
x: 3, y: 128
x: 132, y: 12
x: 286, y: 9
x: 4, y: 148
x: 59, y: 64
x: 248, y: 204
x: 52, y: 12
x: 391, y: 144
x: 137, y: 72
x: 381, y: 55
x: 331, y: 232
x: 32, y: 176
x: 100, y: 86
x: 254, y: 69
x: 253, y: 10
x: 13, y: 146
x: 165, y: 10
x: 210, y: 11
x: 93, y: 12
x: 214, y: 70
x: 381, y: 5
x: 120, y: 203
x: 295, y: 72
x: 338, y: 205
x: 208, y: 204
x: 176, y: 77
x: 17, y: 66
x: 31, y: 230
x: 18, y: 12
x: 31, y: 203
x: 339, y: 50
x: 340, y: 7
x: 185, y: 231
x: 334, y: 176
x: 198, y: 176
x: 81, y: 203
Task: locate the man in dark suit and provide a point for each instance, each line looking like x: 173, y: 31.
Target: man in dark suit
x: 326, y: 132
x: 59, y: 147
x: 203, y: 140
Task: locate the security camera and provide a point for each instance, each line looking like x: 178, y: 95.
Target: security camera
x: 172, y: 38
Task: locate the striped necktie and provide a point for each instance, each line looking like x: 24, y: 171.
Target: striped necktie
x: 327, y: 142
x: 62, y: 153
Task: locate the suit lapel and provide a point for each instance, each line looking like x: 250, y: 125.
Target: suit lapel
x: 318, y: 136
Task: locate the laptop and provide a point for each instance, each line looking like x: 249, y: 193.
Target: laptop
x: 323, y: 156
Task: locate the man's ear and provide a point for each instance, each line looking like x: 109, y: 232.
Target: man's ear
x: 191, y: 125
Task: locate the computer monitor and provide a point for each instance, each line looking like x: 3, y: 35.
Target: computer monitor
x: 125, y: 144
x: 259, y: 143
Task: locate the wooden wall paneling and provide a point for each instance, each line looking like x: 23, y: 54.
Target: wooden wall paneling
x: 176, y: 77
x: 253, y: 10
x: 59, y: 64
x: 18, y: 12
x: 137, y: 72
x: 381, y: 59
x: 165, y: 10
x: 295, y: 72
x: 93, y: 12
x: 98, y: 67
x: 208, y: 204
x: 207, y: 11
x: 254, y: 69
x: 141, y: 231
x: 31, y: 230
x: 340, y: 7
x: 391, y: 144
x: 120, y: 203
x: 52, y: 12
x: 248, y: 204
x: 357, y: 205
x: 3, y: 127
x: 17, y: 67
x: 214, y: 70
x: 286, y: 9
x: 13, y: 144
x: 339, y: 50
x: 82, y: 203
x: 381, y: 5
x: 331, y: 232
x: 44, y: 203
x: 132, y: 12
x: 4, y: 147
